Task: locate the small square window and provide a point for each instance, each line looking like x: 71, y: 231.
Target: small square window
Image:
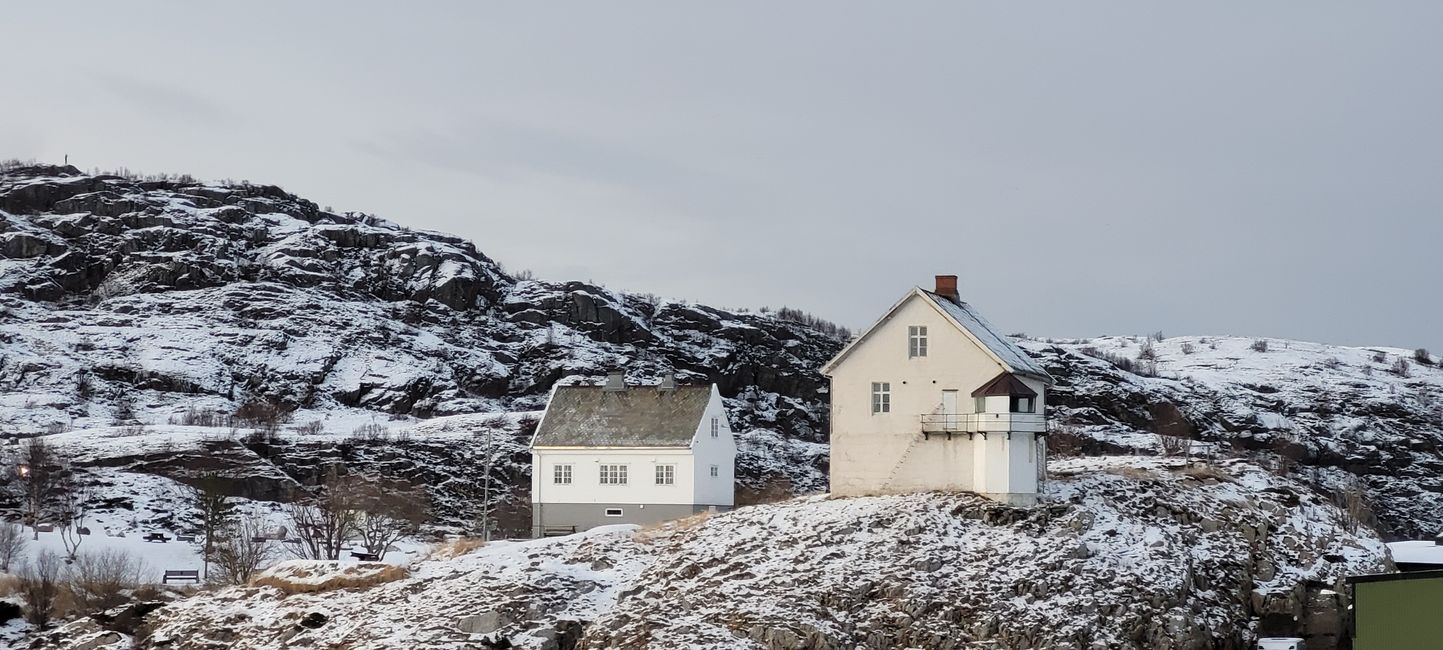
x: 613, y: 512
x: 715, y: 471
x: 666, y: 474
x: 561, y: 474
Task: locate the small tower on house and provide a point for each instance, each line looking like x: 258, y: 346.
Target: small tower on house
x: 932, y: 397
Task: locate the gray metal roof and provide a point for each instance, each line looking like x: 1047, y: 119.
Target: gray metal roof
x: 1000, y: 345
x: 639, y: 416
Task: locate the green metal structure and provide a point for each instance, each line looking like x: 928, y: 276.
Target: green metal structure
x: 1398, y: 611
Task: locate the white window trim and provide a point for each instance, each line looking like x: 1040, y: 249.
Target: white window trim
x: 560, y: 471
x: 666, y: 471
x: 617, y: 473
x: 881, y: 397
x: 716, y: 427
x: 716, y: 471
x: 916, y: 341
x: 618, y: 512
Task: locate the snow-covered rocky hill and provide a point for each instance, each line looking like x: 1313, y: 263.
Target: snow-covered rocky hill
x: 127, y: 302
x: 1124, y: 553
x: 1342, y: 419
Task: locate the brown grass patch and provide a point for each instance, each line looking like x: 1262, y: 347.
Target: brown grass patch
x: 9, y: 584
x: 1203, y: 471
x: 313, y: 576
x: 1134, y: 473
x: 669, y: 527
x: 453, y: 548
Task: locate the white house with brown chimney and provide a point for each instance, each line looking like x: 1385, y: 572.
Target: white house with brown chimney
x: 626, y: 454
x: 932, y: 397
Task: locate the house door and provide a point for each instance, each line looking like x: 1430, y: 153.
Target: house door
x: 949, y: 408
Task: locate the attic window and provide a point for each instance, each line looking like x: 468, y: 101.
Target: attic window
x: 715, y: 427
x: 1020, y: 404
x: 916, y: 341
x: 715, y: 471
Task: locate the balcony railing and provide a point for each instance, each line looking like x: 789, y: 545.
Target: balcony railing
x: 984, y: 422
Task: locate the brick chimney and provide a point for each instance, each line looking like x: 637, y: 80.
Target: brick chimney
x: 947, y: 288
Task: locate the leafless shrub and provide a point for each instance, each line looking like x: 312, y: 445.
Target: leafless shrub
x: 74, y: 500
x: 39, y: 478
x: 100, y: 579
x: 1147, y: 352
x: 1188, y: 348
x: 1173, y: 445
x: 12, y: 544
x: 453, y: 548
x: 326, y: 520
x: 1401, y: 367
x: 1352, y: 499
x: 371, y: 433
x: 1259, y: 345
x: 387, y: 513
x: 40, y: 585
x: 240, y: 551
x: 1157, y: 336
x: 1120, y: 362
x: 264, y: 416
x: 312, y: 428
x: 1380, y: 357
x: 1421, y: 356
x: 1332, y: 363
x: 1202, y: 471
x: 201, y: 417
x: 800, y: 317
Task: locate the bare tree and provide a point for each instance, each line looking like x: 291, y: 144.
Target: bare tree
x: 241, y: 549
x: 99, y: 580
x: 212, y: 510
x: 388, y: 514
x: 12, y: 544
x: 326, y: 520
x: 40, y: 585
x: 37, y: 470
x: 1352, y: 499
x: 74, y: 500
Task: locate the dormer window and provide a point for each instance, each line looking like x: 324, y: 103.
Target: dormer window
x: 916, y: 341
x: 1022, y: 404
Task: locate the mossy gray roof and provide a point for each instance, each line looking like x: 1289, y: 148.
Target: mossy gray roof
x: 639, y: 416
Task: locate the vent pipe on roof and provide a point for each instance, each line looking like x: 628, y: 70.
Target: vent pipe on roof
x: 615, y: 381
x: 947, y: 288
x: 668, y: 382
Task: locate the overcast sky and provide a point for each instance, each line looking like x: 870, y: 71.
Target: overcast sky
x: 1261, y: 169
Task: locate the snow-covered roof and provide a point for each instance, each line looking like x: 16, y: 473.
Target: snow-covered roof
x: 966, y: 318
x: 593, y: 416
x: 1417, y: 552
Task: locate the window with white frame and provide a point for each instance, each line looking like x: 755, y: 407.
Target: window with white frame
x: 715, y: 471
x: 613, y: 475
x: 881, y: 397
x: 1021, y: 404
x: 561, y: 474
x: 613, y: 512
x: 666, y: 474
x: 917, y: 341
x: 715, y: 427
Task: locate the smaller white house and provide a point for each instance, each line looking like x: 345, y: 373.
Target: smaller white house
x: 617, y: 454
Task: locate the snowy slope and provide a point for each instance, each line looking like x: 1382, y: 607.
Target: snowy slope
x: 1335, y: 416
x: 1123, y: 553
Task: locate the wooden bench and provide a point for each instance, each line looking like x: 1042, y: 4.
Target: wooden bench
x: 192, y: 575
x: 156, y: 537
x: 365, y: 557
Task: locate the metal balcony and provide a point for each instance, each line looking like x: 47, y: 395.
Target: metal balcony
x: 983, y: 423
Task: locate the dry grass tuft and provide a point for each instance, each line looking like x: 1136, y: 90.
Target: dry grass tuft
x: 9, y: 584
x: 1134, y: 473
x: 662, y: 529
x: 453, y: 548
x: 313, y: 576
x: 1203, y: 471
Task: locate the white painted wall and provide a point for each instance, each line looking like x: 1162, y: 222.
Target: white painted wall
x: 876, y: 453
x: 694, y: 483
x: 720, y: 451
